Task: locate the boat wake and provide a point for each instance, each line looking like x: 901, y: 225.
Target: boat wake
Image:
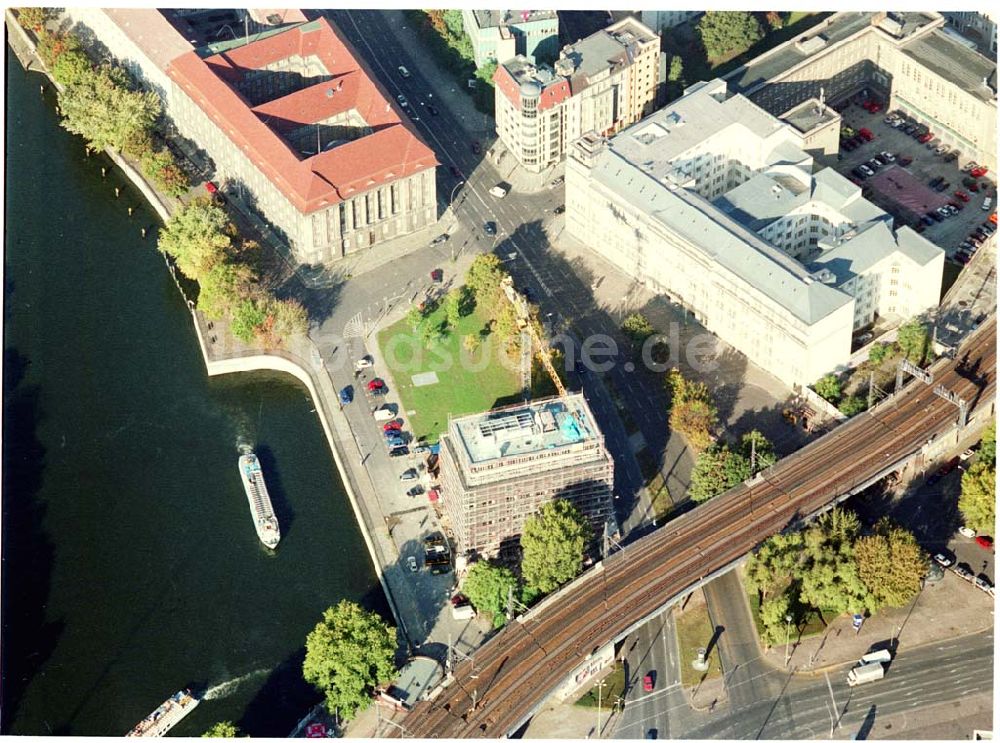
x: 220, y: 691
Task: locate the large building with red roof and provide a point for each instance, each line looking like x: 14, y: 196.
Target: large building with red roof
x: 294, y: 120
x: 602, y: 83
x: 290, y: 117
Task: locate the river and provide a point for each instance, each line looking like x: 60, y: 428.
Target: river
x: 130, y: 563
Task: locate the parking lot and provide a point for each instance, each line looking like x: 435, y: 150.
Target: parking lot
x: 925, y: 166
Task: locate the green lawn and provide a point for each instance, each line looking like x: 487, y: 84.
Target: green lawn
x: 614, y: 687
x: 694, y: 631
x: 459, y: 390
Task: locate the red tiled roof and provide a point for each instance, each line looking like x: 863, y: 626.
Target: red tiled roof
x: 554, y: 94
x: 392, y: 151
x: 507, y: 85
x: 151, y: 32
x: 287, y: 15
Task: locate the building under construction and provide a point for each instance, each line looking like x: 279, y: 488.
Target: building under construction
x: 499, y: 467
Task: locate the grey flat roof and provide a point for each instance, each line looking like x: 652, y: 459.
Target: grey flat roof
x: 833, y: 30
x: 855, y: 256
x: 721, y: 238
x: 808, y: 115
x: 594, y: 54
x: 956, y: 63
x: 490, y: 18
x: 769, y: 196
x: 660, y: 138
x: 519, y: 430
x: 836, y: 28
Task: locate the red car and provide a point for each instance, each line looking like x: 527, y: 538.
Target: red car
x: 375, y: 384
x: 211, y: 187
x: 459, y: 600
x: 984, y: 541
x: 866, y: 134
x: 393, y: 426
x: 962, y: 195
x: 925, y: 138
x: 647, y: 682
x: 979, y: 172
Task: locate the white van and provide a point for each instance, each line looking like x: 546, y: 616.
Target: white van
x: 384, y: 414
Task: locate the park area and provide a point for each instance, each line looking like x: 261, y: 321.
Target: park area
x: 466, y: 382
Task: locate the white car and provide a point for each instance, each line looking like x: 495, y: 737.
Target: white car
x: 410, y: 474
x: 365, y: 362
x: 888, y: 157
x: 967, y: 454
x: 403, y: 71
x: 500, y: 190
x: 412, y: 562
x: 943, y: 560
x: 401, y: 99
x: 966, y: 532
x: 987, y: 203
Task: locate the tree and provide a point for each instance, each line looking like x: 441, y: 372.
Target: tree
x: 716, y: 470
x: 247, y: 317
x: 487, y: 587
x: 853, y: 405
x: 829, y: 388
x: 772, y: 615
x: 71, y: 67
x: 676, y: 71
x: 757, y: 449
x: 484, y: 277
x: 988, y: 447
x: 195, y: 237
x: 775, y: 563
x: 692, y: 412
x: 161, y: 168
x: 222, y: 286
x: 695, y: 419
x: 890, y: 564
x: 913, y: 341
x: 774, y: 20
x: 283, y: 318
x: 224, y: 729
x: 348, y: 654
x: 33, y: 19
x: 486, y: 72
x: 637, y: 328
x: 453, y: 306
x: 879, y: 352
x: 552, y: 543
x: 829, y: 576
x: 978, y: 499
x: 102, y: 110
x: 51, y: 46
x: 727, y: 33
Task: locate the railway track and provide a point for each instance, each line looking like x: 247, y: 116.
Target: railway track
x: 519, y: 667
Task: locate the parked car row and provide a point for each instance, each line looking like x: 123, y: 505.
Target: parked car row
x: 973, y: 242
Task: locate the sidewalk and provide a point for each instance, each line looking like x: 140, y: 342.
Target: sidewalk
x: 947, y: 609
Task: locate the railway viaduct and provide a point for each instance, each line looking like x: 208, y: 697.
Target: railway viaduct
x: 495, y: 691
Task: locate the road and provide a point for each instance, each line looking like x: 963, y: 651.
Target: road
x: 515, y: 670
x: 806, y: 708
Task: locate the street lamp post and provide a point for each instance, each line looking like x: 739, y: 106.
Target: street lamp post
x: 451, y: 199
x: 600, y: 687
x: 788, y: 633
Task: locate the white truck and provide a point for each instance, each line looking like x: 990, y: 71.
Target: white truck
x: 865, y: 673
x: 879, y: 656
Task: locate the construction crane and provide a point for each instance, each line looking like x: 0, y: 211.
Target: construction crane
x: 543, y: 351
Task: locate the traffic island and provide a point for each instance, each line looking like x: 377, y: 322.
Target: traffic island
x: 697, y: 645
